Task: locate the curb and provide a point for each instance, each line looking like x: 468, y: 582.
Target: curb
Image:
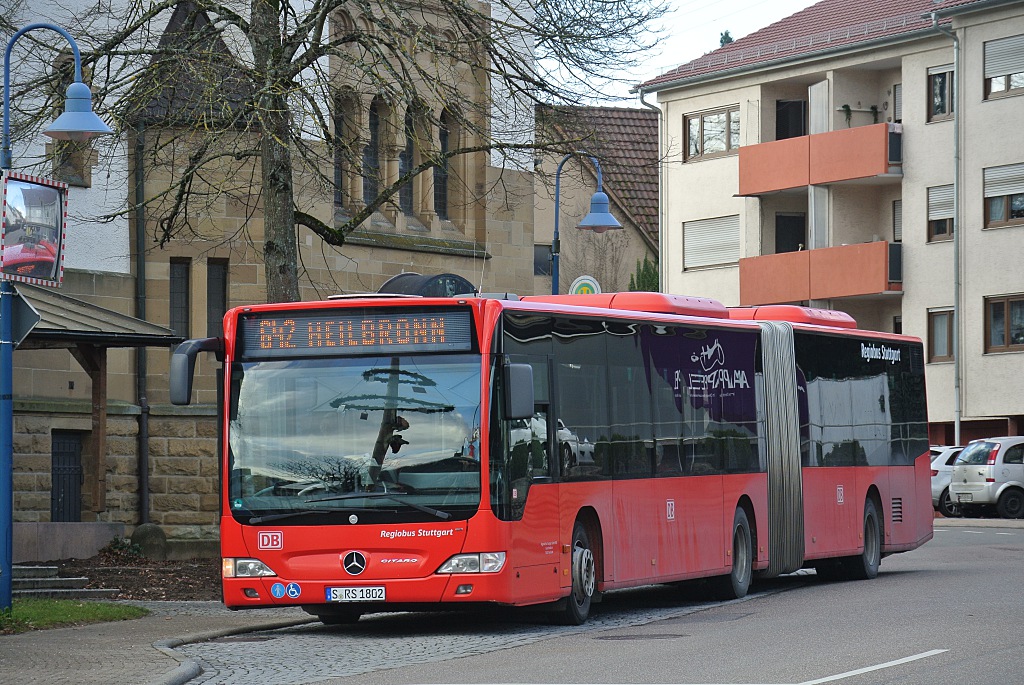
x: 941, y: 521
x: 187, y: 668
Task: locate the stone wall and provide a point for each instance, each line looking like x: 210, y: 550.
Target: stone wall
x: 183, y: 470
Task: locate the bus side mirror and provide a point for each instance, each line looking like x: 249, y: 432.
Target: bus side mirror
x: 518, y: 391
x: 183, y: 366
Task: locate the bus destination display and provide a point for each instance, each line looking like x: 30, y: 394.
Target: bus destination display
x: 331, y: 332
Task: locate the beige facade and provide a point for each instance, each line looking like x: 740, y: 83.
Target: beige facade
x: 610, y: 258
x: 873, y: 81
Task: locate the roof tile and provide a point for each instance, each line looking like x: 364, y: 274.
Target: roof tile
x: 824, y: 26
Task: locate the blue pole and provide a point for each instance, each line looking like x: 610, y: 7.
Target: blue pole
x: 7, y: 294
x: 555, y: 246
x: 6, y: 445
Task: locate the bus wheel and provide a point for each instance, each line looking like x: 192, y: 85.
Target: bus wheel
x: 584, y: 578
x: 737, y: 582
x: 866, y: 565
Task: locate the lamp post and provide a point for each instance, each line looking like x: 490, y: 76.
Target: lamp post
x: 598, y: 220
x: 78, y: 123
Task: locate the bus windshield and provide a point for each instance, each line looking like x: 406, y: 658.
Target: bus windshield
x: 374, y: 439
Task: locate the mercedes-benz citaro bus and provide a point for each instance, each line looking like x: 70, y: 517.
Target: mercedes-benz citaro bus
x: 412, y: 453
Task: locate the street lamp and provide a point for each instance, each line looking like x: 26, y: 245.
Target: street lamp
x: 598, y: 220
x: 78, y: 123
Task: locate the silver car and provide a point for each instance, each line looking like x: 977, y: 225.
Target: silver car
x: 988, y: 473
x: 942, y: 458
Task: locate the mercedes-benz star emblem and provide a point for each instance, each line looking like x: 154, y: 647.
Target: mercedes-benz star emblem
x: 354, y: 563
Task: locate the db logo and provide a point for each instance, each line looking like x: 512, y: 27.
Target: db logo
x: 270, y: 539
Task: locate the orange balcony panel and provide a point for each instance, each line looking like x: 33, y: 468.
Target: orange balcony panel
x: 843, y: 155
x: 775, y: 278
x: 849, y: 270
x: 778, y: 165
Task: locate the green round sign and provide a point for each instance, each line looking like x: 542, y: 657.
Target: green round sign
x: 585, y: 285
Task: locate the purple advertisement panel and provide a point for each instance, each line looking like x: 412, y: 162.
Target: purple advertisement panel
x: 709, y: 370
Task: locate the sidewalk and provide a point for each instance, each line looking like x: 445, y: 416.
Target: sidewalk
x: 943, y: 522
x: 135, y: 652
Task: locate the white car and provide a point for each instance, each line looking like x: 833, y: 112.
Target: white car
x: 942, y: 470
x: 989, y: 473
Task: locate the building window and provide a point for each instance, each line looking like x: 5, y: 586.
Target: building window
x: 371, y: 156
x: 180, y: 287
x: 1004, y: 323
x: 1004, y: 67
x: 940, y: 93
x: 897, y: 221
x: 541, y: 260
x: 216, y: 296
x: 897, y: 102
x: 1004, y: 195
x: 712, y: 134
x: 1004, y: 210
x: 897, y: 325
x: 711, y: 242
x: 940, y: 336
x: 441, y: 169
x: 940, y: 213
x: 405, y: 166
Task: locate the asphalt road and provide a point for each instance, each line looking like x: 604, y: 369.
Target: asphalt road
x: 946, y: 613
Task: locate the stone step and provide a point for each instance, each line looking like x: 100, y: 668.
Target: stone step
x: 18, y: 571
x: 49, y: 583
x: 83, y: 593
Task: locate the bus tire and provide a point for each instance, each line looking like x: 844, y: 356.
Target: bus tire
x: 735, y: 584
x: 584, y: 578
x: 865, y: 566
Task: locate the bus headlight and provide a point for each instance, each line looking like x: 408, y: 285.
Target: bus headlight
x: 484, y: 562
x: 245, y: 568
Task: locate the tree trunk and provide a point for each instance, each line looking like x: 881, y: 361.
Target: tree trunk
x: 280, y: 245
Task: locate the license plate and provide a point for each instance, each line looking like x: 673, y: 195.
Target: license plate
x: 964, y: 497
x: 372, y: 593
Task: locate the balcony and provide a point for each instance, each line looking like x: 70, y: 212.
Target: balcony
x: 865, y: 154
x: 828, y: 273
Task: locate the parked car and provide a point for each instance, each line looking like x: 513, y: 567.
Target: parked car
x: 942, y: 457
x: 989, y: 473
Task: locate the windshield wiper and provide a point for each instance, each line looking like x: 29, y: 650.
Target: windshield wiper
x: 443, y: 515
x: 291, y: 514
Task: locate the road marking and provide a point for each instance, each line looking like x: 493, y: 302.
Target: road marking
x: 879, y: 667
x: 860, y: 671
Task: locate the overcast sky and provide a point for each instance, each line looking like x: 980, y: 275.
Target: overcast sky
x: 693, y: 27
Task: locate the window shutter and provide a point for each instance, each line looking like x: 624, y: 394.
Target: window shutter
x: 707, y: 242
x: 897, y: 221
x: 940, y: 202
x: 897, y: 102
x: 1004, y: 56
x: 941, y: 69
x: 1004, y: 180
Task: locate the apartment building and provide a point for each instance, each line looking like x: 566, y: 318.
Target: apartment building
x: 864, y: 157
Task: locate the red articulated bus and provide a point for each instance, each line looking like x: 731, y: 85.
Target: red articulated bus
x: 403, y: 453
